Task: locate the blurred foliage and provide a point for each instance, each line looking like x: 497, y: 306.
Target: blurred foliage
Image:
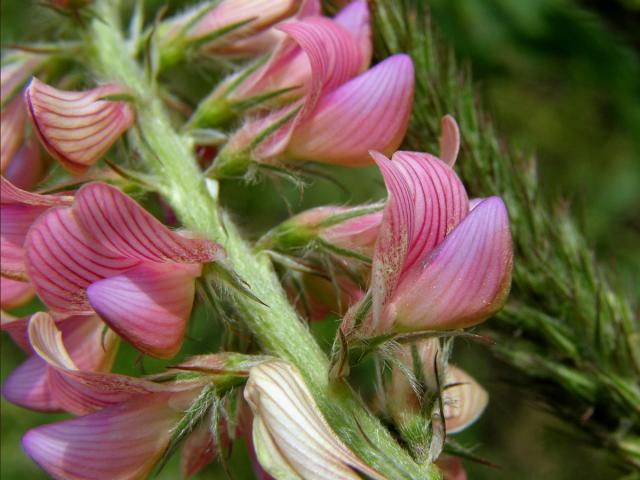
x: 562, y: 80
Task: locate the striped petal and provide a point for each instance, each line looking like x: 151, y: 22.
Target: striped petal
x: 371, y: 111
x: 289, y: 433
x: 355, y: 19
x: 122, y: 226
x: 77, y: 128
x: 63, y: 260
x: 426, y: 201
x: 449, y: 140
x: 148, y: 305
x: 14, y: 293
x: 30, y: 385
x: 18, y: 210
x: 82, y: 391
x: 120, y: 442
x: 462, y: 282
x: 13, y: 120
x: 463, y: 400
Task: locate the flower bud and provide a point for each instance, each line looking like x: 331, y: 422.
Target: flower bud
x: 290, y: 435
x: 77, y: 128
x: 463, y: 399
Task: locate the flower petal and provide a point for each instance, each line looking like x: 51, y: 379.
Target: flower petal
x: 17, y: 330
x: 149, y: 305
x: 13, y: 120
x: 28, y: 386
x: 261, y: 14
x: 77, y: 128
x: 426, y: 200
x: 333, y: 57
x: 120, y: 442
x: 198, y: 451
x: 290, y: 430
x: 27, y: 167
x: 16, y: 72
x: 449, y: 140
x: 356, y: 20
x: 465, y: 280
x: 87, y: 390
x: 18, y: 210
x: 14, y: 293
x: 371, y: 111
x: 63, y: 260
x: 124, y: 227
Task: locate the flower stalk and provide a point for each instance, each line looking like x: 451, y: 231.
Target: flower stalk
x: 168, y: 156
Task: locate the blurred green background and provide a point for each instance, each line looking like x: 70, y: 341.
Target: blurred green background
x: 562, y: 80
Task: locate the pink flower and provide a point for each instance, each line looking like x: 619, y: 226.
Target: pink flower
x: 34, y: 384
x: 107, y: 254
x: 340, y: 117
x: 127, y: 423
x: 436, y: 266
x: 77, y: 128
x: 18, y: 210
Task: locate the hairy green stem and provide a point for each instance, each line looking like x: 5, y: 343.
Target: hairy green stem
x: 169, y: 157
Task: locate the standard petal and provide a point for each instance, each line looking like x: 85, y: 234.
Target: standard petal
x: 14, y: 74
x: 124, y: 227
x: 288, y: 424
x: 426, y: 201
x: 371, y: 111
x: 148, y: 305
x: 63, y: 260
x: 17, y: 329
x: 120, y: 442
x: 356, y: 20
x: 462, y: 282
x: 449, y: 140
x: 77, y: 128
x: 28, y: 386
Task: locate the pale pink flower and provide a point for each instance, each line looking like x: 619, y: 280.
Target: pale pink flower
x: 77, y: 128
x: 436, y: 266
x: 126, y: 425
x: 107, y: 254
x: 340, y: 117
x: 34, y: 384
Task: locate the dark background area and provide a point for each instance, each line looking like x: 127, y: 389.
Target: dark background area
x: 562, y: 80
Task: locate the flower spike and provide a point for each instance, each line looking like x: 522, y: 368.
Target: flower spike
x: 77, y: 128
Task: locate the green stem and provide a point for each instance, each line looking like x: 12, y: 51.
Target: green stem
x: 169, y: 157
